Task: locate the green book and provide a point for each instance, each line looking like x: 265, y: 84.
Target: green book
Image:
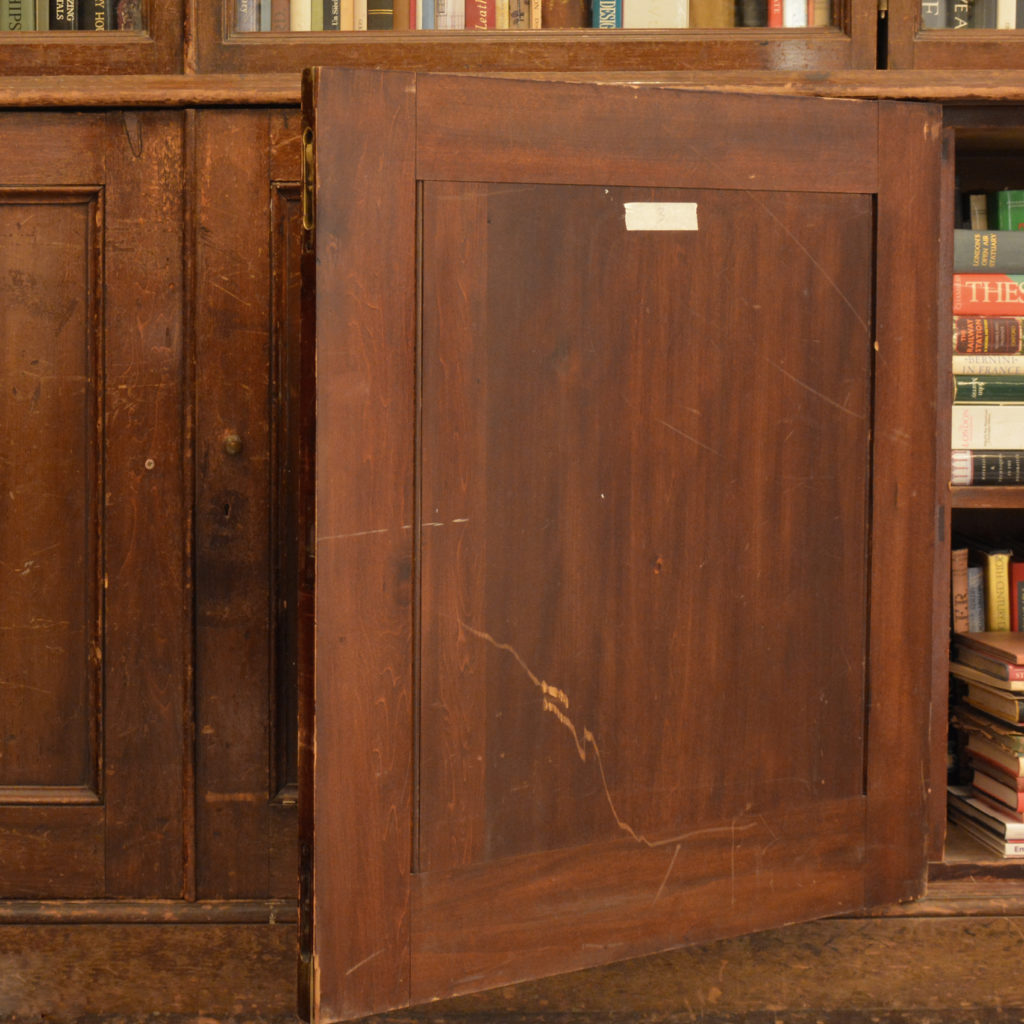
x: 17, y: 15
x: 990, y: 388
x: 1008, y: 209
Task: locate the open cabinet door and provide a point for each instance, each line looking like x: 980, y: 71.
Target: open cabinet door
x: 625, y: 477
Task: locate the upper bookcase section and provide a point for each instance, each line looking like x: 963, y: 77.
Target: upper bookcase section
x: 85, y: 37
x: 956, y: 34
x: 540, y: 35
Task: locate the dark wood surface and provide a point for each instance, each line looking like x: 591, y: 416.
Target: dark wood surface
x: 576, y: 470
x: 94, y: 396
x: 247, y: 332
x: 922, y: 970
x: 149, y: 644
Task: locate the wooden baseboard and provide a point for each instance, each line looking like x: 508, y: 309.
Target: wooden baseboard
x: 106, y: 973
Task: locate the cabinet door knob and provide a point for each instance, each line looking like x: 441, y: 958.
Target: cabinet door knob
x: 232, y: 442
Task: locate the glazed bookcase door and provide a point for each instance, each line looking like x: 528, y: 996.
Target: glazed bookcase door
x: 150, y: 40
x: 614, y: 522
x: 848, y: 41
x: 953, y: 35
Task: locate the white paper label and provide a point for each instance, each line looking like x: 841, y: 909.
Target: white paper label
x: 661, y: 216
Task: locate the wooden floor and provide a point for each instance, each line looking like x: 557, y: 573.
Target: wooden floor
x: 899, y: 970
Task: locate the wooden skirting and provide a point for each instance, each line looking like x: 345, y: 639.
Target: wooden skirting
x: 893, y: 970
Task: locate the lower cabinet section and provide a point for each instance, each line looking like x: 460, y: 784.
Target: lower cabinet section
x: 149, y: 322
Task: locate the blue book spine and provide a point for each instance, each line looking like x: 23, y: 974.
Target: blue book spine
x: 607, y: 13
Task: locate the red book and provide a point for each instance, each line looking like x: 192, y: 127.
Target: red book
x: 775, y: 13
x: 988, y: 294
x: 1000, y: 645
x: 480, y: 13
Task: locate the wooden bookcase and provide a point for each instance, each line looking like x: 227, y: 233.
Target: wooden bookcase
x: 911, y: 46
x: 198, y: 126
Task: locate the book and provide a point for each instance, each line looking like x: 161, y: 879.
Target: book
x: 958, y: 590
x: 712, y: 13
x: 977, y: 206
x: 450, y: 14
x: 988, y: 427
x: 774, y: 14
x: 524, y: 14
x: 934, y: 14
x: 975, y: 598
x: 994, y: 294
x: 17, y: 15
x: 992, y: 818
x: 1009, y: 796
x: 960, y: 13
x: 247, y: 15
x: 994, y: 389
x: 1000, y: 704
x: 988, y: 363
x: 93, y: 15
x: 967, y: 674
x: 331, y: 15
x: 970, y: 721
x: 1008, y: 761
x: 986, y: 251
x: 1000, y: 467
x: 995, y: 565
x: 1016, y: 592
x: 480, y: 14
x: 794, y: 13
x: 300, y: 16
x: 1006, y: 209
x: 988, y: 838
x: 996, y: 334
x: 280, y: 15
x: 655, y: 13
x: 567, y: 14
x: 63, y: 15
x: 997, y: 670
x: 1008, y: 647
x: 751, y: 13
x: 607, y: 14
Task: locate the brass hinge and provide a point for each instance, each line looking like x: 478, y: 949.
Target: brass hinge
x: 308, y: 184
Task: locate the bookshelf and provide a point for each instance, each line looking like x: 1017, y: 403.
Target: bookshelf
x: 914, y: 43
x: 229, y: 118
x: 156, y: 46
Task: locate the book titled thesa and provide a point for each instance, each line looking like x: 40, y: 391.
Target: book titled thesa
x: 988, y: 294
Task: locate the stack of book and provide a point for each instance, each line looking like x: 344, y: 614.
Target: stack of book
x: 988, y: 355
x: 987, y: 670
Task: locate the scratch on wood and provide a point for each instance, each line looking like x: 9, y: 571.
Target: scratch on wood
x: 363, y: 962
x: 671, y: 865
x: 813, y: 391
x: 584, y: 739
x: 690, y: 437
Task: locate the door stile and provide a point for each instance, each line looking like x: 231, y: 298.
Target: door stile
x: 902, y: 644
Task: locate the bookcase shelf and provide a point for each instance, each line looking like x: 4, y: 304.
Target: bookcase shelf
x: 987, y: 497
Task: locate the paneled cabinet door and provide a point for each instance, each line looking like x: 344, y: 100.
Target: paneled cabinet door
x: 626, y: 400
x: 95, y: 621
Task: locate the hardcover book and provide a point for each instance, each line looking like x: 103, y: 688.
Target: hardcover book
x: 1005, y: 646
x: 987, y: 251
x: 988, y: 427
x: 1006, y: 212
x: 1001, y: 467
x: 994, y: 334
x: 993, y: 294
x: 993, y: 389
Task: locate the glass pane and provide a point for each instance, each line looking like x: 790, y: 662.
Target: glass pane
x: 356, y: 15
x: 971, y: 14
x: 72, y: 15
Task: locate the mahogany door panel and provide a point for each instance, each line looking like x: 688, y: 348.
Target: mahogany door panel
x: 612, y: 472
x: 95, y: 618
x: 246, y: 410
